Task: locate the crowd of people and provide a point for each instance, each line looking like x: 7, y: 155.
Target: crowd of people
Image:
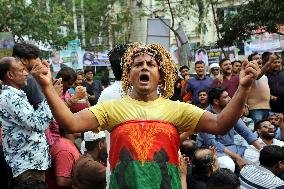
x: 156, y: 126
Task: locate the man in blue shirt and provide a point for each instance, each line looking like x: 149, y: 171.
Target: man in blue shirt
x: 24, y: 142
x: 199, y: 82
x: 218, y: 99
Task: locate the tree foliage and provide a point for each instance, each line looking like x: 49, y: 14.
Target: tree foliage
x: 42, y: 21
x: 183, y: 10
x: 32, y: 20
x: 265, y: 15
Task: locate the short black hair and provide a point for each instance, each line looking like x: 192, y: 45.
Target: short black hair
x: 187, y: 148
x: 223, y: 178
x: 223, y: 60
x: 265, y: 56
x: 67, y: 74
x: 236, y: 61
x: 25, y: 50
x: 270, y: 155
x: 251, y: 56
x: 201, y: 50
x: 183, y: 67
x: 257, y: 124
x: 199, y: 62
x: 115, y: 56
x: 88, y: 69
x: 203, y: 90
x: 5, y: 65
x: 80, y: 72
x: 90, y: 145
x: 215, y: 93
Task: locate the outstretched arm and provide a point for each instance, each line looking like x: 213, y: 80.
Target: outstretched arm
x: 266, y: 66
x: 227, y: 118
x: 75, y: 123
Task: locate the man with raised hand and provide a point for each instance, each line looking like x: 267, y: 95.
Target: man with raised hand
x: 144, y: 126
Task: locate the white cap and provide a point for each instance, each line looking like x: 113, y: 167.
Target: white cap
x: 91, y: 136
x: 214, y: 65
x: 226, y: 162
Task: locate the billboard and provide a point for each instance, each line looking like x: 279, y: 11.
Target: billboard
x: 201, y: 55
x: 216, y: 54
x: 159, y: 32
x: 6, y: 44
x: 70, y: 58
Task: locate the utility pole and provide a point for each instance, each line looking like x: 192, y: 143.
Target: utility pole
x: 47, y: 6
x: 83, y: 24
x: 74, y: 18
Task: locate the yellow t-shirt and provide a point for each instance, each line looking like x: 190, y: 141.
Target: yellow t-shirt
x: 112, y: 113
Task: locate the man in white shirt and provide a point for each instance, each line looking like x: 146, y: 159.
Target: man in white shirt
x: 266, y: 174
x: 24, y: 142
x: 114, y: 91
x: 266, y: 132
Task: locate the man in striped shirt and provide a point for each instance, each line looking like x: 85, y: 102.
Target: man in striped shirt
x: 266, y: 174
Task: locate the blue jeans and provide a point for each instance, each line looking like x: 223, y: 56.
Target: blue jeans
x: 259, y: 114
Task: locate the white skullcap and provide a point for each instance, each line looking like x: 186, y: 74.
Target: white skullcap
x: 226, y: 162
x: 91, y: 136
x: 214, y: 65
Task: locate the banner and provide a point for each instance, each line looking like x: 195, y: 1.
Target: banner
x: 216, y: 54
x: 262, y: 42
x: 101, y: 59
x: 262, y: 46
x: 74, y: 45
x: 6, y: 44
x: 201, y: 55
x: 68, y: 58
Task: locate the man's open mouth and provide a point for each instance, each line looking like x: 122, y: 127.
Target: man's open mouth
x: 144, y: 78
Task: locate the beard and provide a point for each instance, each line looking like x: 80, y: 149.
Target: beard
x: 103, y: 155
x: 268, y: 136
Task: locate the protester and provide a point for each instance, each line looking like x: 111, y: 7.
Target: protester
x: 204, y: 163
x: 184, y: 72
x: 236, y: 67
x: 214, y: 70
x: 277, y: 119
x: 203, y: 99
x: 266, y: 133
x: 259, y: 104
x: 6, y: 176
x: 63, y: 154
x: 141, y: 156
x: 90, y: 169
x: 275, y: 77
x: 177, y: 89
x: 29, y: 55
x: 78, y: 102
x: 24, y: 142
x: 219, y: 99
x: 223, y: 179
x: 265, y: 175
x: 228, y: 80
x: 199, y: 82
x: 114, y: 91
x: 187, y: 150
x: 94, y: 87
